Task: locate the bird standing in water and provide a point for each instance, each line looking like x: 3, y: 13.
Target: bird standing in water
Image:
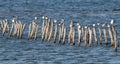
x: 105, y: 36
x: 90, y: 37
x: 43, y: 28
x: 71, y: 36
x: 115, y: 44
x: 85, y: 37
x: 50, y: 33
x: 110, y: 34
x: 95, y: 36
x: 56, y: 30
x: 100, y: 32
x: 79, y: 33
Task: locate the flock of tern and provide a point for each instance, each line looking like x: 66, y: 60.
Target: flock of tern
x: 53, y: 30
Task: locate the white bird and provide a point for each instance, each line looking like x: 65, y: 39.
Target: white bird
x: 112, y: 21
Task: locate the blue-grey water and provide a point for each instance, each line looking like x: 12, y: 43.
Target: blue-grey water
x: 86, y: 12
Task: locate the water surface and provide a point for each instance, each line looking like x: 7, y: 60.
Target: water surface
x: 86, y: 12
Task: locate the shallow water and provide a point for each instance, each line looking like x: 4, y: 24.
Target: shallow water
x: 22, y: 51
